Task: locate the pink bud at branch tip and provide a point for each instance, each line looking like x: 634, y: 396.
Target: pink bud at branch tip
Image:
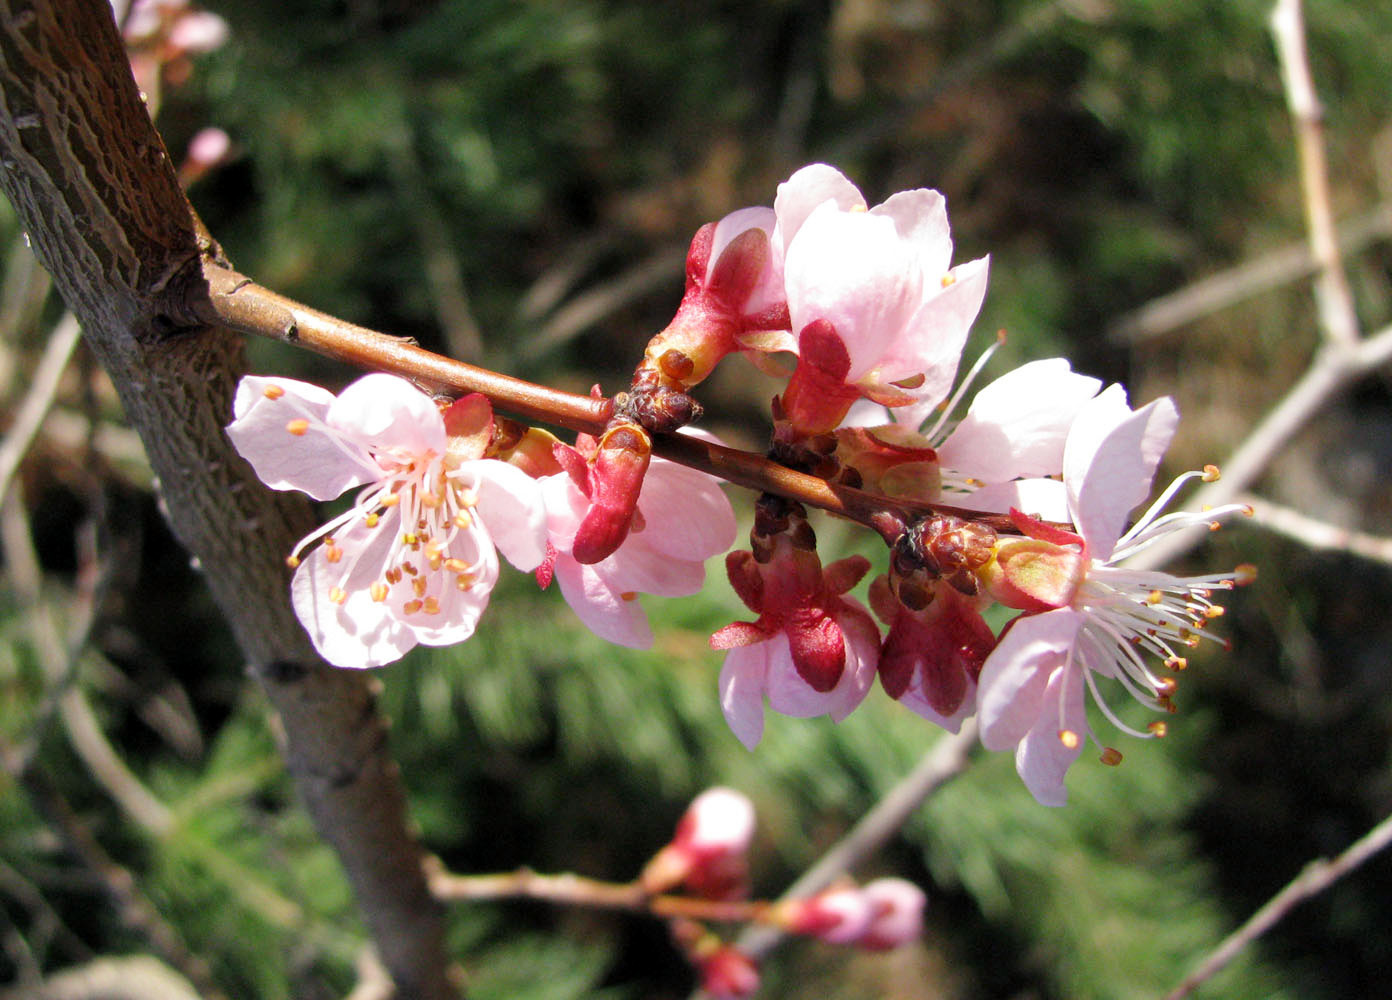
x: 707, y: 851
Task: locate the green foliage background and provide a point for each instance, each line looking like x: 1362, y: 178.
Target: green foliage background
x: 1102, y: 152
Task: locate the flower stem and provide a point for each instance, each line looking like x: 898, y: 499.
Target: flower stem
x: 237, y: 302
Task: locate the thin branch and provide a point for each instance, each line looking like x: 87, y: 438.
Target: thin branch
x: 1314, y: 878
x: 1318, y: 534
x: 1334, y: 368
x: 240, y: 304
x: 43, y: 387
x: 1338, y: 318
x: 1274, y: 269
x: 576, y: 890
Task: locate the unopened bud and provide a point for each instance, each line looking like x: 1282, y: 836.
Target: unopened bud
x: 898, y: 913
x: 707, y: 851
x: 616, y: 478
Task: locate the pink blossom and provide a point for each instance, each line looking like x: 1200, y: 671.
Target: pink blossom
x: 1014, y: 430
x: 708, y: 851
x: 812, y: 651
x: 898, y: 917
x: 682, y: 519
x: 840, y: 915
x: 1089, y: 617
x: 727, y: 973
x: 413, y: 559
x: 875, y: 307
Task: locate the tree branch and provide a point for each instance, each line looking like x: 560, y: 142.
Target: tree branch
x: 94, y: 188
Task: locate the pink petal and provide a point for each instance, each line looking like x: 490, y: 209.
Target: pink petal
x: 930, y: 342
x: 1109, y: 462
x: 1016, y: 426
x: 318, y: 462
x: 640, y: 568
x: 920, y: 218
x: 383, y: 411
x: 603, y: 609
x: 853, y: 271
x: 1042, y: 759
x: 360, y: 632
x: 1010, y: 690
x: 742, y: 680
x: 899, y: 913
x: 801, y: 193
x: 862, y: 659
x: 686, y: 514
x: 1046, y: 499
x: 511, y: 505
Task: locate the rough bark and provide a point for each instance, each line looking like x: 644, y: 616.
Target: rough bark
x: 97, y: 195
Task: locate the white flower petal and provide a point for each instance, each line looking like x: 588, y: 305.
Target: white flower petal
x: 686, y: 515
x: 1042, y: 760
x: 600, y: 607
x: 511, y: 505
x: 386, y: 412
x: 317, y: 461
x: 1010, y: 690
x: 1109, y: 462
x: 801, y: 193
x: 742, y: 681
x: 1016, y: 426
x: 920, y: 218
x: 359, y: 632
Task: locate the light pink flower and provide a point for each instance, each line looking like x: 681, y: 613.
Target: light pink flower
x: 707, y: 853
x: 874, y: 303
x: 898, y: 915
x: 682, y: 519
x: 1104, y: 617
x: 413, y: 560
x: 1011, y: 436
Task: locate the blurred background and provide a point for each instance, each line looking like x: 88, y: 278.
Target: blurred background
x: 515, y: 183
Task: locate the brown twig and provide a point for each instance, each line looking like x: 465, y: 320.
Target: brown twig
x: 1318, y: 534
x: 239, y: 303
x: 576, y: 890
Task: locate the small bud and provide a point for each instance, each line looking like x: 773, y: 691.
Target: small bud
x: 898, y: 917
x: 836, y: 916
x: 728, y: 973
x: 708, y: 848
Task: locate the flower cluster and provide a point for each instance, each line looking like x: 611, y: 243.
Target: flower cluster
x: 1022, y: 501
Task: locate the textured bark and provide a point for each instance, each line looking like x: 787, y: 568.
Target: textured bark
x: 96, y: 193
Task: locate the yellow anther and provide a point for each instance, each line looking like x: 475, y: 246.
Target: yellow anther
x: 1166, y: 686
x: 432, y: 606
x: 411, y: 607
x: 273, y: 392
x: 1211, y: 474
x: 292, y: 561
x: 418, y: 585
x: 1215, y: 611
x: 391, y: 500
x: 338, y: 595
x: 948, y: 280
x: 393, y: 575
x: 1176, y: 663
x: 1111, y: 756
x: 456, y: 565
x: 298, y: 427
x: 1245, y: 574
x: 431, y: 500
x: 409, y: 538
x: 1154, y: 597
x: 464, y: 581
x: 1069, y: 738
x: 378, y: 591
x: 410, y: 568
x: 629, y: 595
x: 1157, y: 729
x: 332, y: 553
x: 462, y: 519
x: 371, y: 520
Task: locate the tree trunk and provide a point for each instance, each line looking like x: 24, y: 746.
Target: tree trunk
x: 97, y: 195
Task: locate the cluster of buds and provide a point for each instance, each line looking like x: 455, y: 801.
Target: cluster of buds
x: 1022, y: 501
x: 707, y: 860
